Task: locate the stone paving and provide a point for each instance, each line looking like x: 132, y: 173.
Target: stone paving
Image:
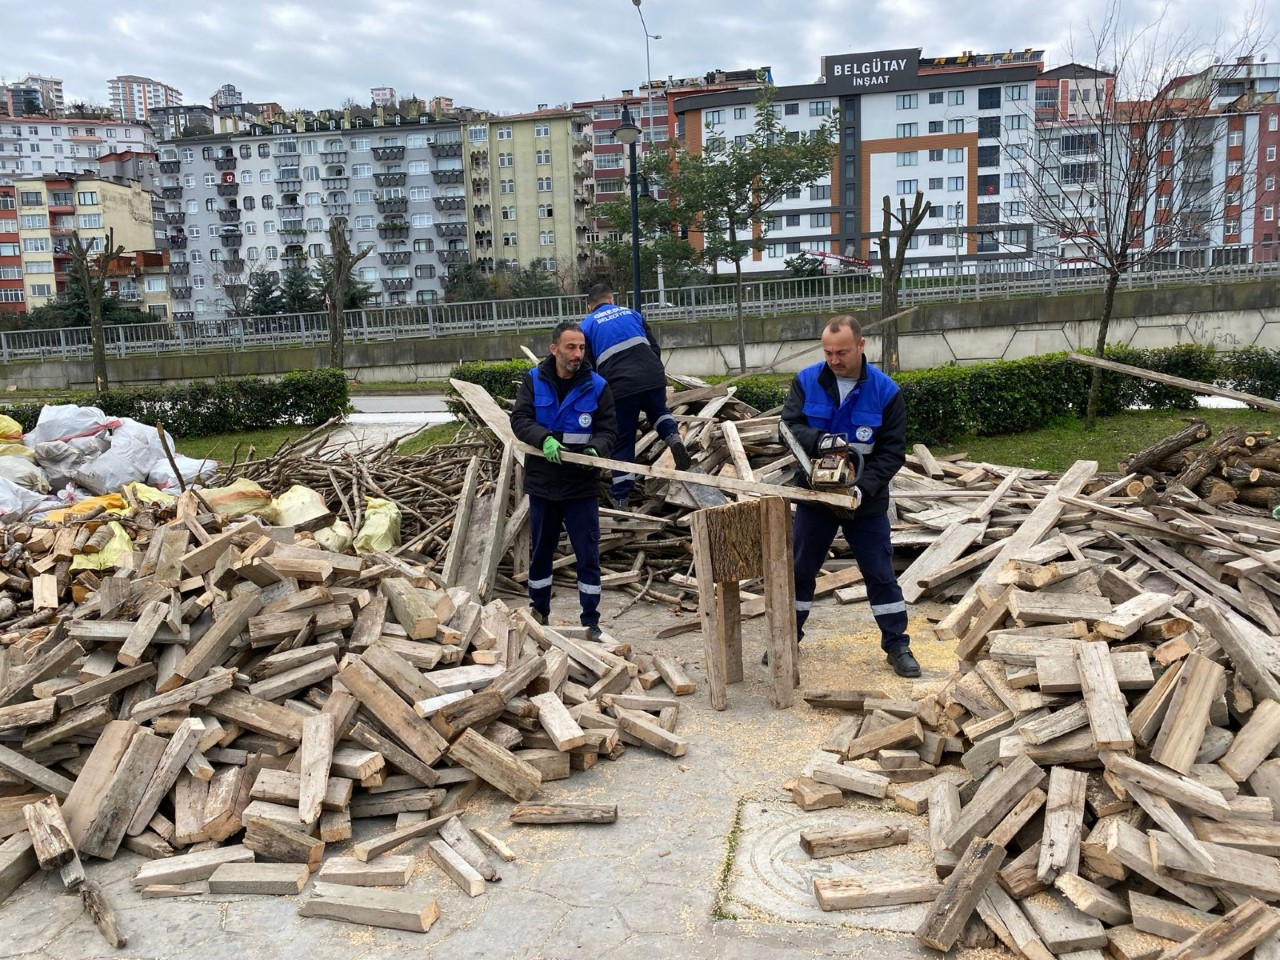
x: 701, y: 863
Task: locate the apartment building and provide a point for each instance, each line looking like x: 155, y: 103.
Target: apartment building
x: 141, y: 280
x: 383, y: 96
x: 254, y: 200
x: 13, y: 296
x: 1266, y: 213
x: 535, y: 169
x: 133, y: 97
x: 143, y: 167
x: 227, y: 95
x: 946, y: 126
x: 34, y: 146
x: 45, y: 93
x: 51, y: 208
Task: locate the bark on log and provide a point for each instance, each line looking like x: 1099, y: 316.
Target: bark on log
x: 1163, y: 449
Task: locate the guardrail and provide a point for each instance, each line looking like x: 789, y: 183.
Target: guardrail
x: 688, y: 304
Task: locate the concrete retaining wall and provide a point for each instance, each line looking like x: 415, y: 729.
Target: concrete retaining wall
x: 1226, y: 316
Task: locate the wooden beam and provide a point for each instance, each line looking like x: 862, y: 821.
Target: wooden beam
x: 1193, y: 385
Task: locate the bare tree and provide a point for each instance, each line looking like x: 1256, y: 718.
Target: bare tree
x: 91, y: 267
x: 900, y: 225
x: 337, y: 283
x: 1123, y: 178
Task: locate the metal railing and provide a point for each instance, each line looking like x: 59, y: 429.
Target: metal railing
x: 674, y: 305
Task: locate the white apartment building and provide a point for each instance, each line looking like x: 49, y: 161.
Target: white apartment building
x: 51, y: 95
x: 40, y: 145
x: 383, y: 96
x: 133, y: 97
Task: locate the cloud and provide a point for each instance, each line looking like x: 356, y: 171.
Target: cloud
x: 510, y: 55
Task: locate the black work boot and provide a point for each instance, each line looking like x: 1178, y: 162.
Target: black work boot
x: 539, y: 617
x: 594, y: 632
x: 679, y: 452
x: 903, y: 663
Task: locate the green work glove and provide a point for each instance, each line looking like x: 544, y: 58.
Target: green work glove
x: 590, y: 452
x: 551, y: 449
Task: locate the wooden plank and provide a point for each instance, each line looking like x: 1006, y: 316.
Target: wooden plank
x: 465, y: 845
x: 1249, y: 660
x: 260, y: 716
x: 316, y: 754
x: 212, y: 648
x: 397, y: 716
x: 547, y: 813
x: 1107, y: 707
x: 851, y: 779
x: 865, y: 836
x: 1129, y: 617
x: 411, y: 607
x: 375, y: 847
x: 946, y: 918
x: 50, y: 838
x: 1180, y: 790
x: 96, y: 776
x: 171, y: 763
x: 1235, y: 870
x: 34, y: 774
x: 18, y: 863
x: 673, y: 675
x: 904, y: 733
x: 853, y: 891
x: 1062, y: 927
x: 496, y: 766
x: 1007, y: 921
x: 945, y: 550
x: 1182, y: 732
x: 1064, y: 818
x: 1062, y: 674
x: 557, y: 722
x: 190, y: 867
x: 1254, y: 742
x: 1164, y: 918
x: 995, y: 798
x: 395, y: 910
x: 1194, y: 386
x: 1255, y: 836
x: 260, y: 879
x: 652, y: 735
x: 1091, y: 899
x: 277, y: 842
x: 217, y: 680
x: 1164, y: 814
x: 456, y: 868
x: 284, y: 787
x: 1131, y: 849
x: 1244, y: 928
x: 153, y: 613
x: 353, y: 872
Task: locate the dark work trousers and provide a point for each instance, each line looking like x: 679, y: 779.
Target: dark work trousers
x: 815, y: 530
x: 653, y: 403
x: 582, y: 519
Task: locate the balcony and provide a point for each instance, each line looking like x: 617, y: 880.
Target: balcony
x: 399, y: 258
x: 393, y: 205
x: 171, y: 193
x: 337, y: 209
x: 334, y: 183
x: 229, y: 216
x: 180, y: 269
x: 445, y: 204
x: 389, y: 179
x: 182, y: 293
x: 451, y: 229
x: 480, y: 187
x: 175, y: 219
x: 224, y: 163
x: 393, y: 231
x: 388, y: 154
x: 333, y: 156
x: 395, y: 285
x: 231, y: 239
x: 178, y: 241
x: 452, y: 257
x: 289, y: 185
x: 234, y: 265
x: 446, y: 176
x: 290, y: 211
x: 170, y: 166
x: 446, y: 150
x: 288, y: 159
x: 228, y: 189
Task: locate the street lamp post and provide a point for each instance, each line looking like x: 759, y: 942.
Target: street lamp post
x: 648, y: 71
x: 628, y: 133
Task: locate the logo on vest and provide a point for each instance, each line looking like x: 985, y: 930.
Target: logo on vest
x: 584, y: 420
x: 863, y: 434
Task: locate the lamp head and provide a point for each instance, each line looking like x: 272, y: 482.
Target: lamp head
x: 626, y: 132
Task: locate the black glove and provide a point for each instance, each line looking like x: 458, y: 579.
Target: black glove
x: 590, y: 452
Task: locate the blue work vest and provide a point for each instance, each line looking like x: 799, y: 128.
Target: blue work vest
x: 612, y: 329
x: 859, y: 417
x: 574, y: 416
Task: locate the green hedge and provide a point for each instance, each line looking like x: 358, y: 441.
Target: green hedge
x: 205, y: 407
x: 1009, y: 396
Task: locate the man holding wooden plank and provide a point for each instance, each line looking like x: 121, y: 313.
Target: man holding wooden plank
x: 562, y: 402
x: 846, y: 401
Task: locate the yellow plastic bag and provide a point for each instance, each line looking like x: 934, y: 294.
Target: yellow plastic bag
x: 10, y: 430
x: 111, y: 502
x: 336, y: 538
x: 147, y: 494
x: 297, y: 505
x: 118, y: 547
x: 243, y: 498
x: 381, y: 527
x: 14, y: 449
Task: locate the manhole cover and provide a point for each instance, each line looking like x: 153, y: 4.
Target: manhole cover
x: 772, y: 876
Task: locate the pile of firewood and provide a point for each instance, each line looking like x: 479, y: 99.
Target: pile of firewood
x: 1098, y: 775
x: 1234, y: 467
x: 231, y: 691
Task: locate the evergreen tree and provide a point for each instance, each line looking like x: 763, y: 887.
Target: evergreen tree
x: 264, y: 294
x: 298, y: 293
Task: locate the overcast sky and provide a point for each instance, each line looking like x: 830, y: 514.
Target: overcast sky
x: 510, y: 55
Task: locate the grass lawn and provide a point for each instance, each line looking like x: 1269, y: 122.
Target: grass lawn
x: 220, y: 446
x: 1057, y: 447
x: 432, y: 436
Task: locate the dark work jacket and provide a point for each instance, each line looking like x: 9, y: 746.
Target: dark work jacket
x: 586, y: 397
x: 873, y: 418
x: 623, y: 350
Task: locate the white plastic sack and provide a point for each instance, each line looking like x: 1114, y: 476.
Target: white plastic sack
x: 59, y: 460
x: 24, y: 473
x: 139, y: 433
x: 109, y: 472
x: 162, y: 477
x: 136, y: 450
x: 15, y: 501
x: 68, y: 422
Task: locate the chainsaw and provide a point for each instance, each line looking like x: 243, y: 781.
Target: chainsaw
x: 836, y: 467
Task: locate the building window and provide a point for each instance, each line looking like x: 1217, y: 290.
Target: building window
x: 955, y: 126
x: 1268, y: 213
x: 740, y: 113
x: 791, y: 110
x: 793, y: 219
x: 935, y: 156
x: 955, y: 155
x: 1016, y: 208
x: 31, y: 198
x: 989, y: 128
x: 989, y: 98
x: 1235, y: 138
x: 1015, y: 121
x: 908, y: 130
x: 935, y: 126
x: 545, y: 184
x: 542, y: 156
x: 908, y: 158
x: 265, y: 176
x: 955, y: 183
x: 820, y: 192
x: 819, y: 220
x: 988, y: 184
x: 819, y: 108
x: 545, y: 211
x: 547, y: 238
x: 908, y: 101
x: 714, y: 117
x: 507, y: 186
x: 935, y: 183
x: 935, y: 96
x: 362, y: 171
x: 1269, y: 183
x: 1016, y: 92
x: 542, y: 129
x: 989, y: 156
x: 1234, y: 168
x: 955, y: 98
x: 506, y: 160
x: 1015, y: 181
x: 907, y: 186
x: 508, y: 213
x: 478, y: 133
x: 1231, y: 227
x: 1271, y: 152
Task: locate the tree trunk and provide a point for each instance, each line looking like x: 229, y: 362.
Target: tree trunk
x: 1207, y: 461
x: 99, y: 337
x: 1104, y: 322
x: 337, y: 332
x: 889, y: 359
x: 737, y: 290
x: 1163, y: 449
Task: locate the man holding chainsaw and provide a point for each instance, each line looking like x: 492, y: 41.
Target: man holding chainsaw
x: 849, y: 420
